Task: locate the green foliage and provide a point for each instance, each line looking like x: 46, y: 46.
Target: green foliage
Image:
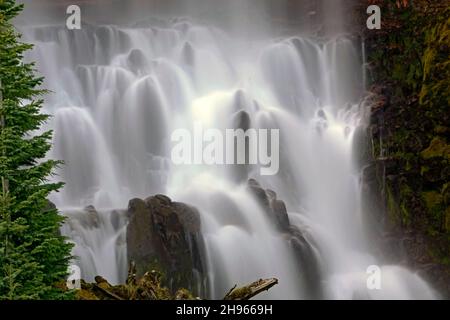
x: 33, y: 254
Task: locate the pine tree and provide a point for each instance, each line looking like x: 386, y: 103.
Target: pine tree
x: 33, y: 254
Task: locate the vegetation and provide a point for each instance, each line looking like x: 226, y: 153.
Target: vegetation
x: 33, y: 255
x: 150, y: 287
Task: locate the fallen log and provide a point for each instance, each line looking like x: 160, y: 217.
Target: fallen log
x: 249, y: 291
x: 107, y: 293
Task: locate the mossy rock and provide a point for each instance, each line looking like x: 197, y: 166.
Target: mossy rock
x: 447, y: 219
x: 438, y: 148
x: 433, y: 199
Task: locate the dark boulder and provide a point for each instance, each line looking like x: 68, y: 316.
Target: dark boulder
x: 165, y: 235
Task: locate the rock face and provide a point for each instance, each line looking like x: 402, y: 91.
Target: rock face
x: 165, y: 235
x: 303, y: 252
x: 409, y: 134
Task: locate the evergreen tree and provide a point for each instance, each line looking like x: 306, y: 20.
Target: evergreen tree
x: 33, y: 255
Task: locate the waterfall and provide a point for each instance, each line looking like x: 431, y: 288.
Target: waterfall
x: 119, y: 91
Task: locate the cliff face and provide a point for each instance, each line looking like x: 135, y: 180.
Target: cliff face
x: 409, y: 61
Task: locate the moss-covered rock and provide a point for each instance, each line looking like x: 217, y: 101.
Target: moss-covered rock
x: 438, y: 148
x: 409, y: 62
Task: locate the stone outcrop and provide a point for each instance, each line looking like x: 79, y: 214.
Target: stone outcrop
x: 165, y: 235
x: 305, y: 258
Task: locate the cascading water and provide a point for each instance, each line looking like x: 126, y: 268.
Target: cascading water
x: 119, y: 92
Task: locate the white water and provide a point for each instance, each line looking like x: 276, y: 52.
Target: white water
x: 119, y: 92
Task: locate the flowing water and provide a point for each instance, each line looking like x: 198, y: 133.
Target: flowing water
x: 120, y: 91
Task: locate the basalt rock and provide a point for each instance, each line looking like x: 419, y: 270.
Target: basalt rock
x: 165, y: 235
x: 305, y: 257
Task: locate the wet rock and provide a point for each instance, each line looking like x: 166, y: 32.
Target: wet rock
x: 188, y: 54
x: 136, y: 60
x: 165, y: 235
x: 260, y: 194
x: 118, y: 218
x: 92, y: 216
x: 275, y: 209
x: 279, y: 209
x: 272, y: 195
x: 321, y: 114
x: 306, y: 261
x: 305, y: 257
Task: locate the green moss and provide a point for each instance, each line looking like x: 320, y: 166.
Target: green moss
x: 84, y: 294
x: 239, y: 293
x: 432, y: 199
x: 436, y: 215
x: 406, y: 194
x: 411, y: 64
x: 184, y: 294
x: 437, y: 148
x: 435, y: 60
x: 153, y: 265
x: 424, y: 169
x: 445, y: 191
x: 391, y: 204
x: 441, y: 129
x: 447, y: 219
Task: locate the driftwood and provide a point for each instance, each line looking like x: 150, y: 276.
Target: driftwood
x: 249, y: 291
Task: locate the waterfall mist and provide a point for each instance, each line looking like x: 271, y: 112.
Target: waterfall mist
x: 137, y: 70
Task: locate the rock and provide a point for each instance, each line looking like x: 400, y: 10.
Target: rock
x: 92, y: 218
x: 280, y: 211
x: 272, y: 195
x: 260, y: 195
x: 136, y: 60
x: 321, y: 114
x: 253, y: 183
x: 275, y: 209
x: 188, y: 54
x: 306, y: 260
x: 165, y: 235
x: 189, y: 217
x: 118, y: 218
x: 139, y: 231
x: 409, y: 124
